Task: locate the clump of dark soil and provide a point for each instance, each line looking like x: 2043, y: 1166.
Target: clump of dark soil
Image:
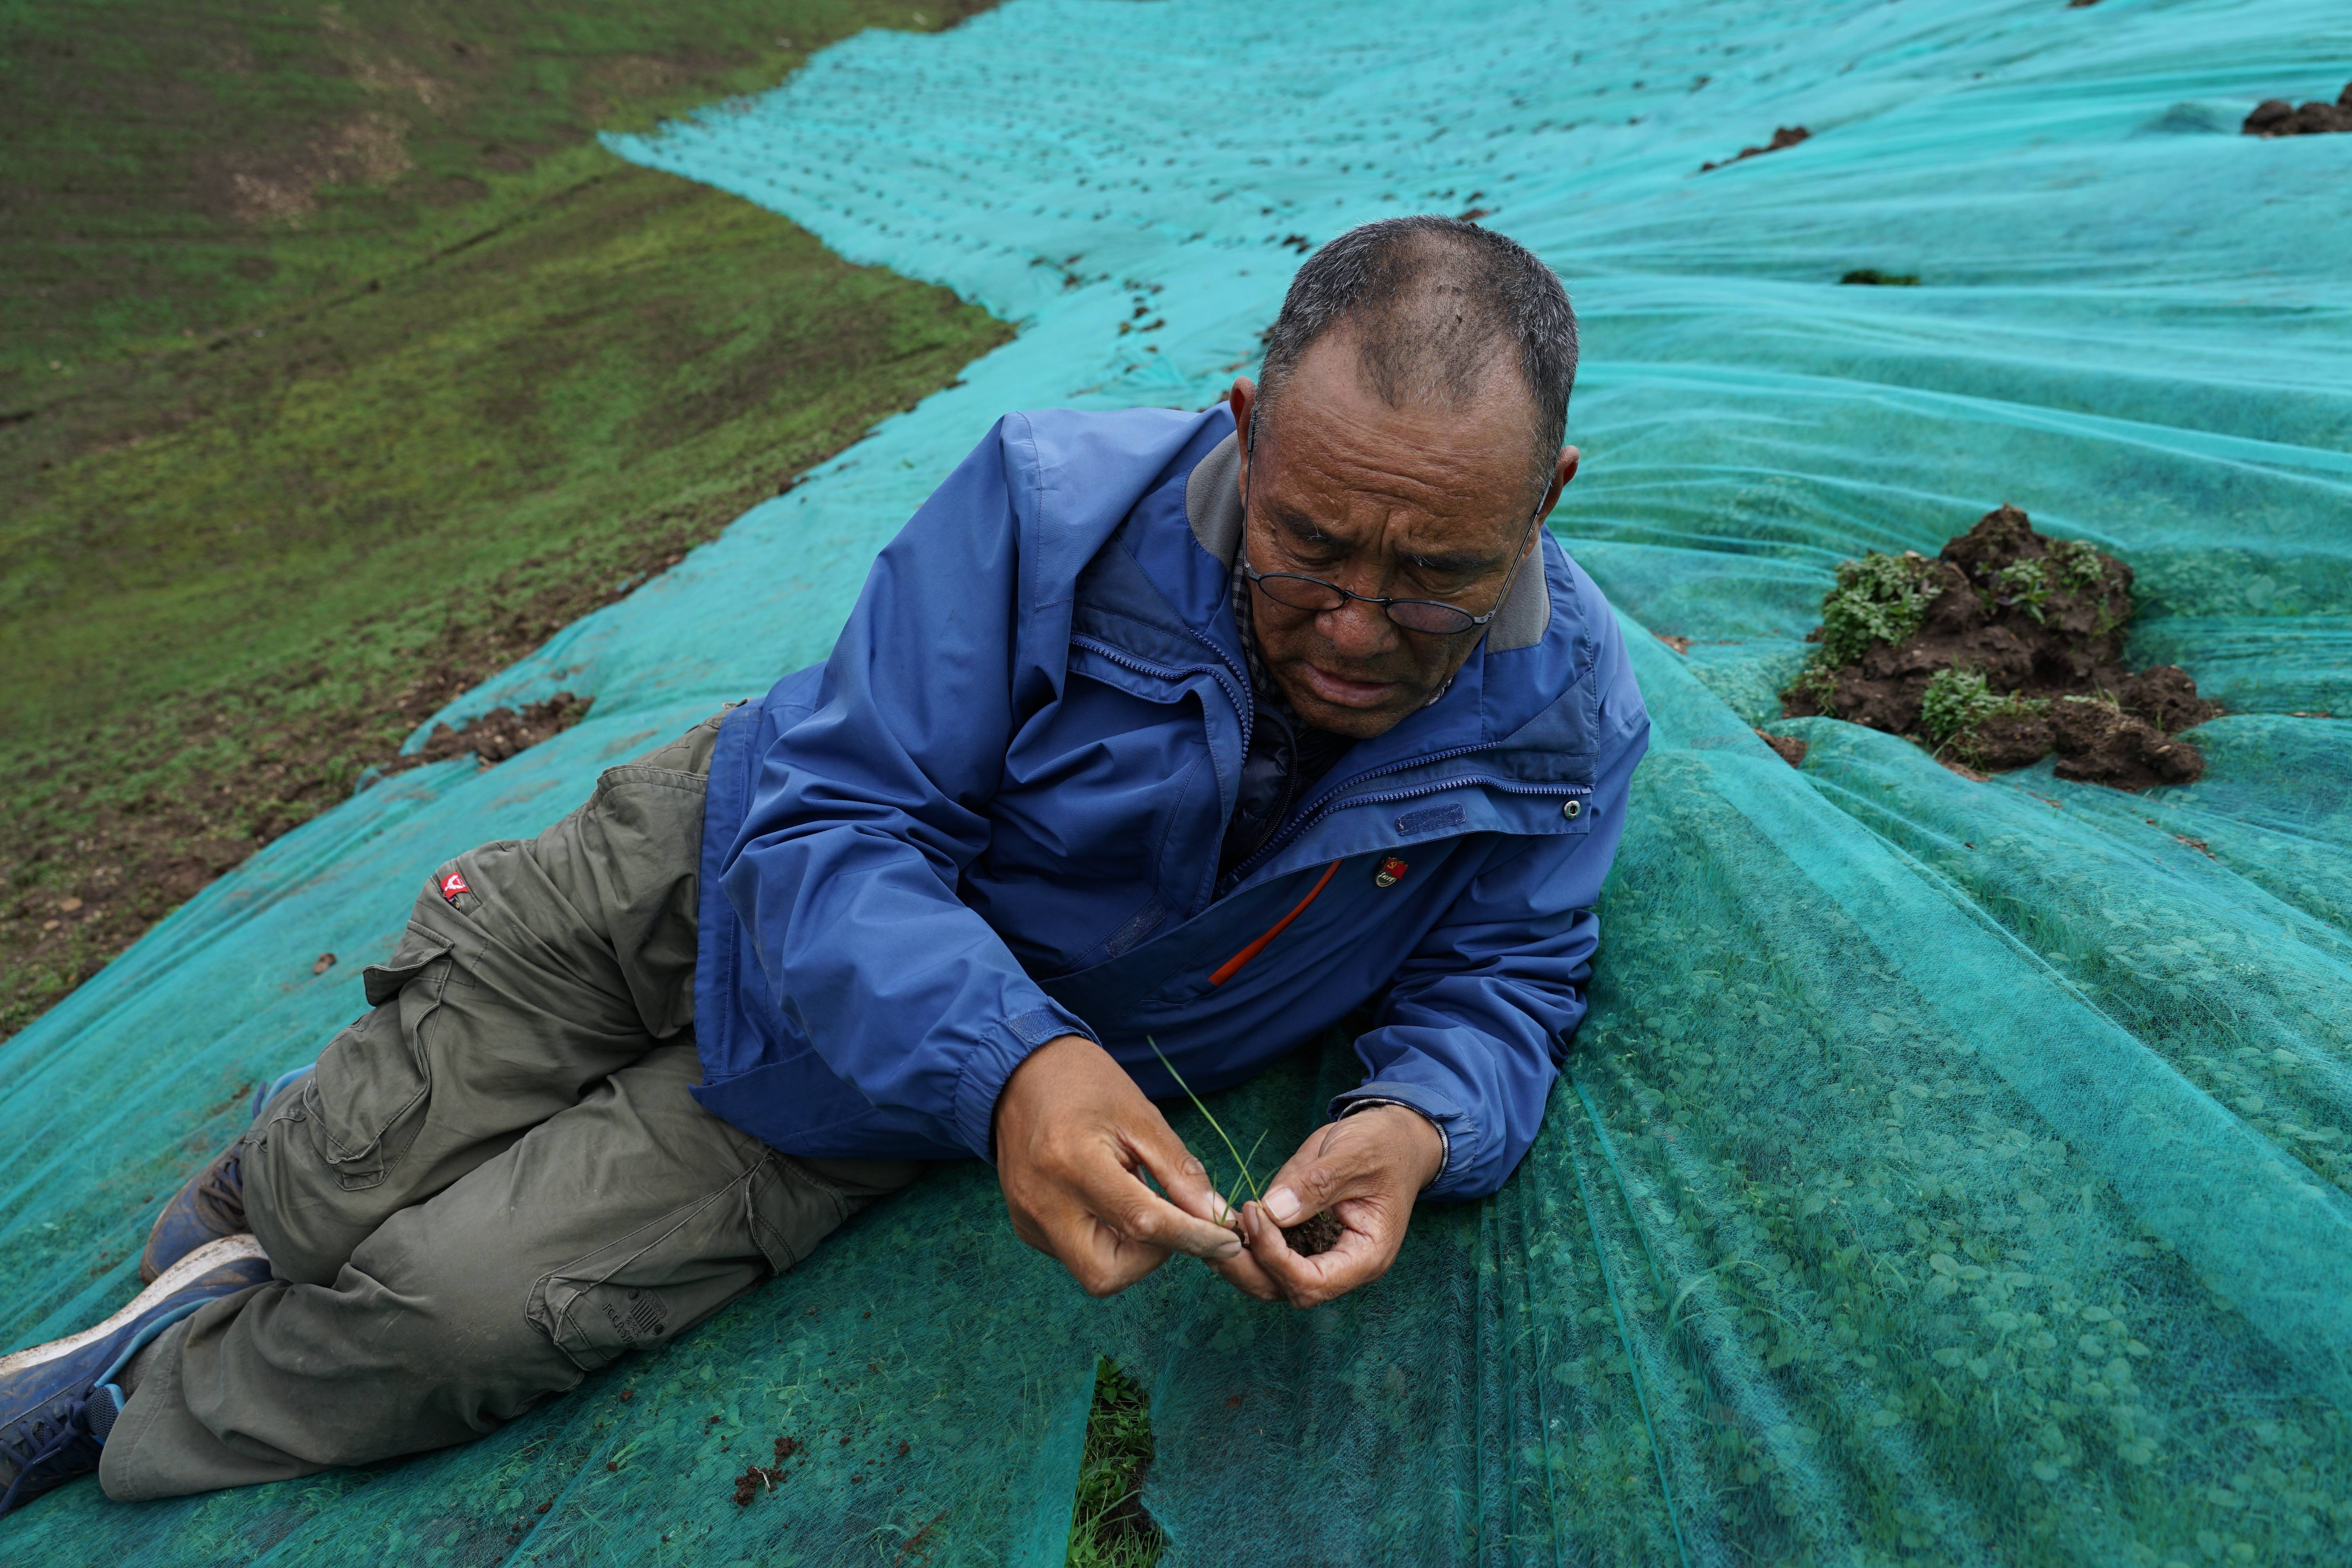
x: 1871, y: 276
x: 1319, y: 1232
x: 2005, y: 647
x: 761, y: 1478
x: 498, y: 735
x: 2277, y: 116
x: 1786, y: 136
x: 1789, y: 749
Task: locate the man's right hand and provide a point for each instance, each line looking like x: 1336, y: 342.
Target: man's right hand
x: 1073, y: 1134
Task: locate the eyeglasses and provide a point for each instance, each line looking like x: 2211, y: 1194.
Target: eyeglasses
x: 1430, y: 618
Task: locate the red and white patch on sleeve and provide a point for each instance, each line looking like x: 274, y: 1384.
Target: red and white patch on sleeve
x: 452, y: 885
x: 1390, y: 873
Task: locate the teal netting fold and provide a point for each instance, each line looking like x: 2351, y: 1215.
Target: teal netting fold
x: 1949, y: 1171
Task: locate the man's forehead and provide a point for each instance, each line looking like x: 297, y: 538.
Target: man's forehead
x: 1328, y: 421
x: 1457, y: 537
x: 1461, y: 491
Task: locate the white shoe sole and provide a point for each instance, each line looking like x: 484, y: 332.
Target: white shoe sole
x: 176, y: 1278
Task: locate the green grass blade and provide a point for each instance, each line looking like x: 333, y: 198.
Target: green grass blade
x: 1247, y: 1179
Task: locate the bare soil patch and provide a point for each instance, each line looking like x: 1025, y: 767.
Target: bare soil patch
x: 498, y: 735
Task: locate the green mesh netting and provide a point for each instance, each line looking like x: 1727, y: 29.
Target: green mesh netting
x: 1949, y: 1171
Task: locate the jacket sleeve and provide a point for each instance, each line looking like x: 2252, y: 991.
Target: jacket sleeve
x: 865, y: 812
x: 1477, y: 1021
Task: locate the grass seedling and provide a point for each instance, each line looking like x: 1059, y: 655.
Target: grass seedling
x: 1240, y: 1159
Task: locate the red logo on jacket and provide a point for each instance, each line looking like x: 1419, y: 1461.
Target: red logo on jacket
x: 452, y: 885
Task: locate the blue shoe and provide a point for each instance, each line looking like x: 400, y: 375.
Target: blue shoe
x: 212, y: 1205
x: 60, y: 1400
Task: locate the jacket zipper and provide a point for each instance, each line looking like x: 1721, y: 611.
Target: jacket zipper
x: 1218, y: 671
x: 1233, y: 965
x: 1297, y: 825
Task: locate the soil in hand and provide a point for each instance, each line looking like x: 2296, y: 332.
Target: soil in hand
x: 1319, y: 1232
x: 2005, y: 647
x: 2277, y: 116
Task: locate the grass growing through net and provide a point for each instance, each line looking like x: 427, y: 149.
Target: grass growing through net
x: 1108, y: 1526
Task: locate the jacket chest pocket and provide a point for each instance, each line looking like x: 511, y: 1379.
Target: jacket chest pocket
x: 1104, y: 830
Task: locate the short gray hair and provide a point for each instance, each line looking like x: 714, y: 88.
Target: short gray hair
x: 1432, y: 299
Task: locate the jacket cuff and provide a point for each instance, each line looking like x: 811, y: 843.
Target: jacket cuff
x: 1443, y: 1113
x: 1004, y: 1046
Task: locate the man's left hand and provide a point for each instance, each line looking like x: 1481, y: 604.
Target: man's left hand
x: 1366, y: 1170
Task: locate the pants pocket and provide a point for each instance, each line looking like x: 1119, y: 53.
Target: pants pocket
x: 655, y: 1282
x: 367, y: 1099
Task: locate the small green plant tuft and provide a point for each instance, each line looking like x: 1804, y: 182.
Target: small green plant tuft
x: 1958, y: 700
x: 2027, y: 584
x: 1817, y: 681
x: 2078, y: 564
x: 1877, y: 598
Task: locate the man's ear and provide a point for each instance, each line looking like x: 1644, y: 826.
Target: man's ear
x: 1563, y: 474
x: 1242, y: 400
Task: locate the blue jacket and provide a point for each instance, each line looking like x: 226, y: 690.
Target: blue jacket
x: 993, y: 815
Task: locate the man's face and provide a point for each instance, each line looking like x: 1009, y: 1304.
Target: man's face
x: 1405, y: 503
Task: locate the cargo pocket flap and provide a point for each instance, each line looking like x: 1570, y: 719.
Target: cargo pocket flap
x: 417, y: 950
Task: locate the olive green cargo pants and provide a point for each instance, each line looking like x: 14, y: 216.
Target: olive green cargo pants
x: 495, y: 1183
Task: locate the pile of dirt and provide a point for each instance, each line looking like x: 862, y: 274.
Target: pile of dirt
x: 1786, y: 136
x: 499, y: 733
x: 2277, y: 116
x: 2005, y: 647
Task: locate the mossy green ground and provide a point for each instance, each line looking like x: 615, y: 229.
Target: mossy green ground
x: 308, y: 470
x: 176, y: 168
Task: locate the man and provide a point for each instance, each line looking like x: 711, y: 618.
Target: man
x: 1151, y: 733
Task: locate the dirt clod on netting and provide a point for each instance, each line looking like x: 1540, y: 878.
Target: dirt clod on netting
x: 1786, y: 136
x: 499, y: 733
x: 763, y: 1478
x: 2277, y: 116
x: 2002, y: 648
x: 1319, y: 1232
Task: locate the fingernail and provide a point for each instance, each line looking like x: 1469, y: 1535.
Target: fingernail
x: 1283, y: 1203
